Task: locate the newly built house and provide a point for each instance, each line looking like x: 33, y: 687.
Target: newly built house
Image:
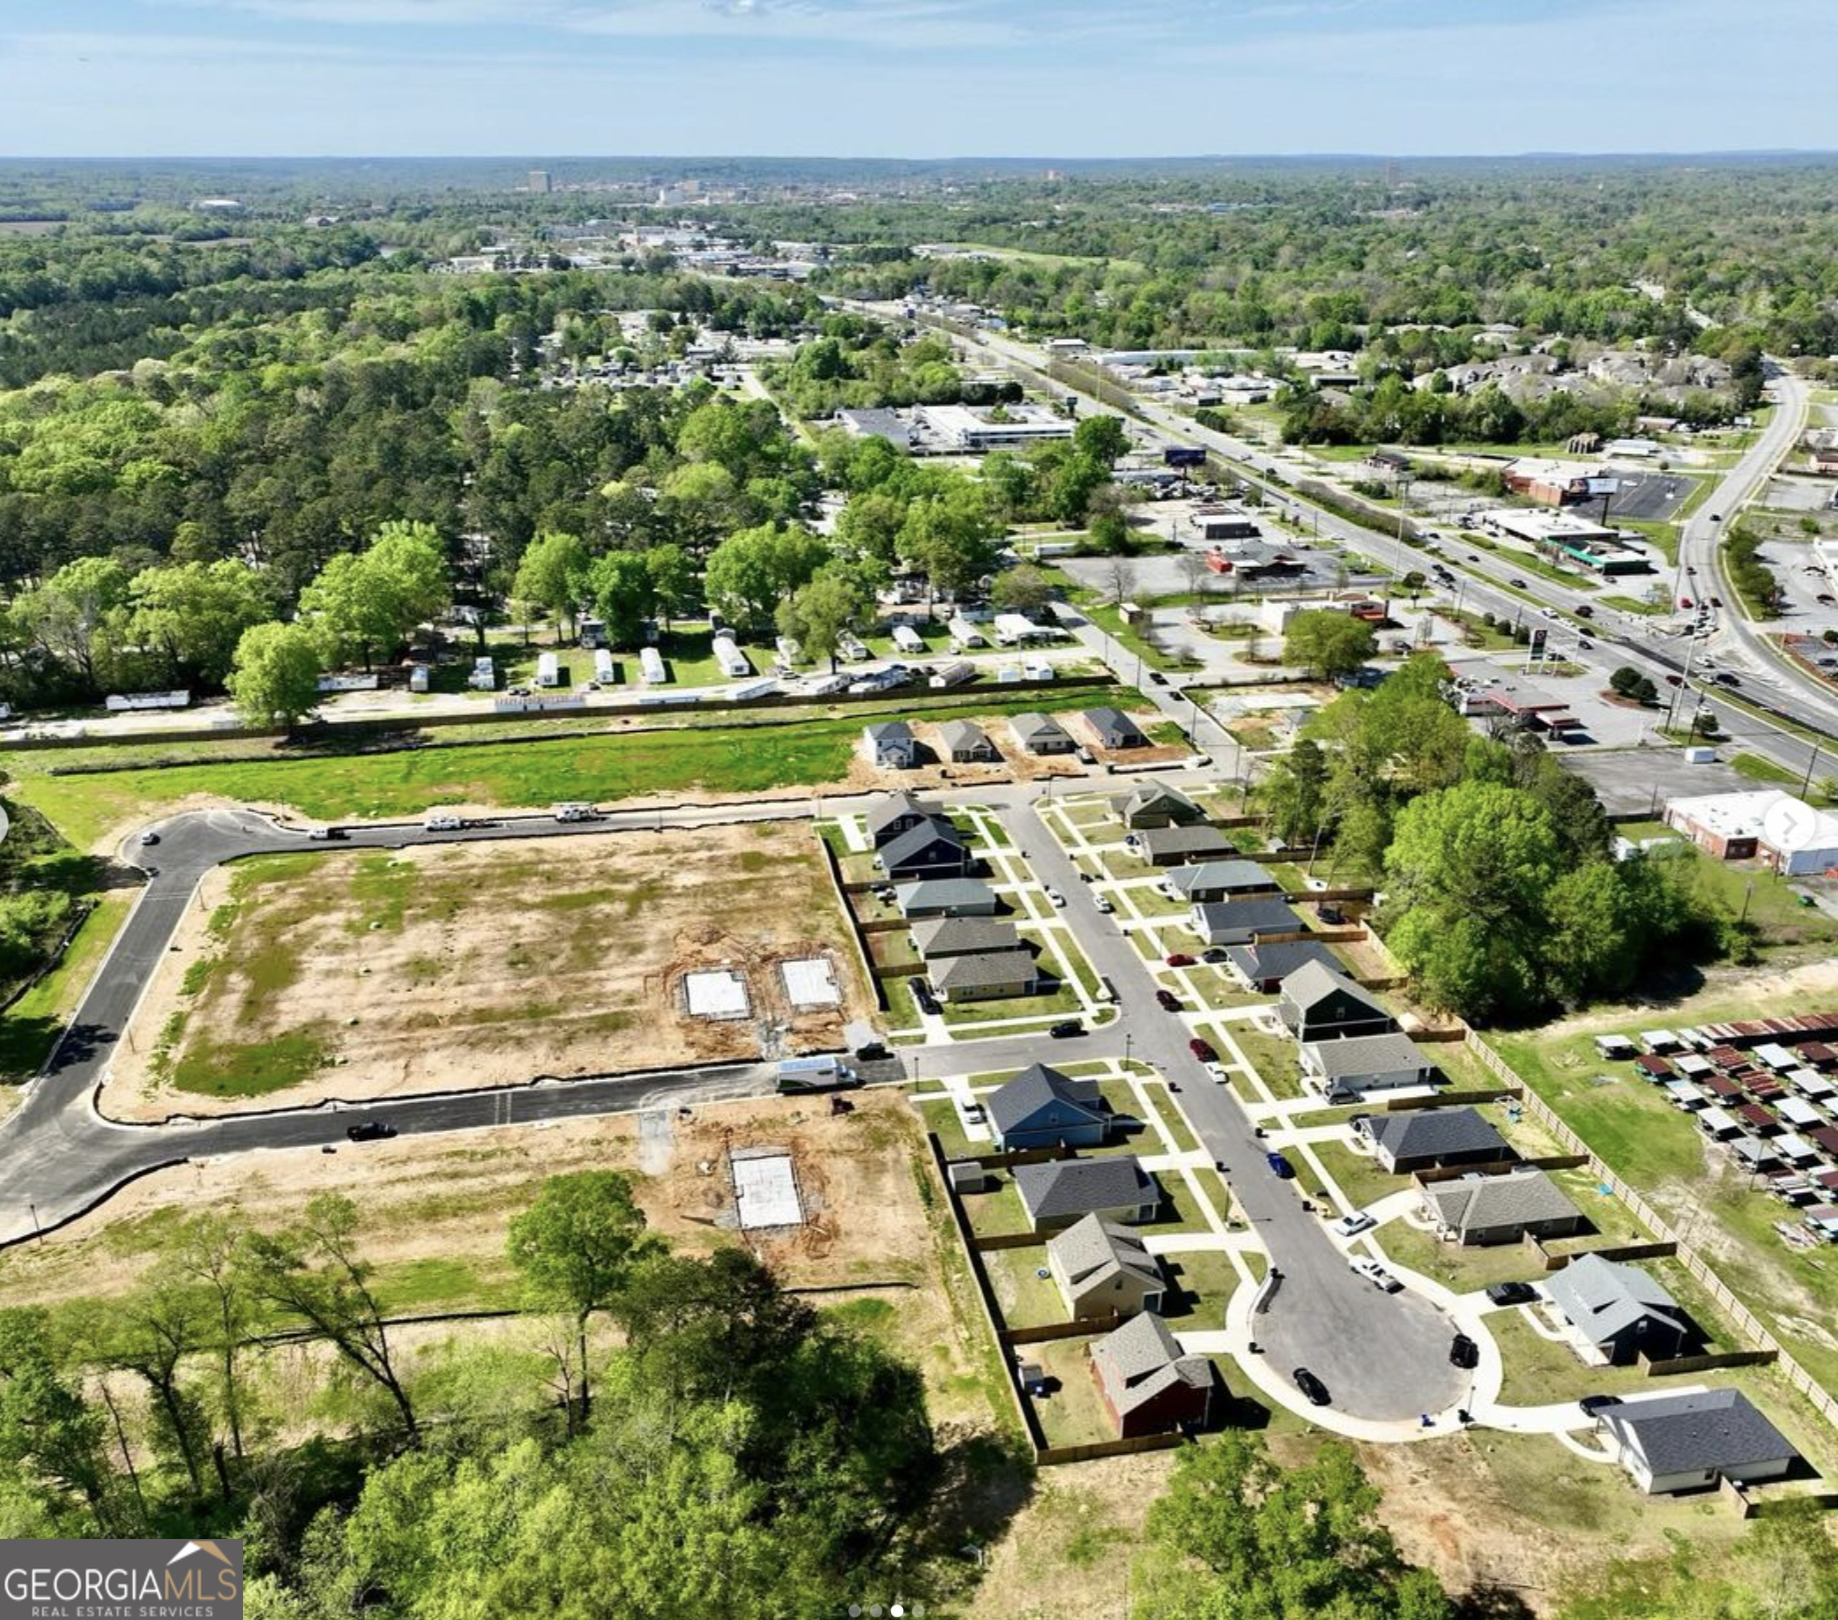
x: 1176, y: 846
x: 1620, y: 1311
x: 890, y: 745
x: 1114, y: 729
x: 1217, y: 880
x: 1147, y: 1383
x: 1316, y: 1003
x: 1433, y: 1138
x: 1243, y: 922
x: 933, y: 848
x: 1040, y: 734
x: 892, y: 814
x: 1689, y: 1442
x: 985, y: 976
x: 947, y: 897
x: 1056, y: 1194
x: 1041, y: 1107
x: 940, y: 937
x: 1263, y: 967
x: 1154, y: 805
x: 1479, y: 1209
x: 966, y: 743
x: 1102, y: 1269
x: 1353, y: 1066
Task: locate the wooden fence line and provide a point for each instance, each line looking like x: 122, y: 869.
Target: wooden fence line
x: 1746, y: 1321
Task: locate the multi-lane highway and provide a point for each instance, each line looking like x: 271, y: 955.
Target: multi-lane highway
x: 1770, y: 684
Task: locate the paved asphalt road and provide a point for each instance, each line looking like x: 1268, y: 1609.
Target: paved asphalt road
x: 1769, y: 682
x: 1380, y: 1355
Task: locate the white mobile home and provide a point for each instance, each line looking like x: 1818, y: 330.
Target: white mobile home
x: 651, y: 666
x: 548, y: 670
x: 732, y: 661
x: 907, y: 639
x: 604, y: 668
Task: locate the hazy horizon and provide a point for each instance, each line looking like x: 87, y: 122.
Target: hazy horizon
x: 881, y: 78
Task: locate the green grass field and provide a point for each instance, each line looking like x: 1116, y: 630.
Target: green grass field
x: 719, y: 758
x: 30, y: 1026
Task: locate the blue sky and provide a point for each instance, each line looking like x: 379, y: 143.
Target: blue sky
x: 912, y: 78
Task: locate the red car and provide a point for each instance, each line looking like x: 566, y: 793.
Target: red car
x: 1180, y: 959
x: 1202, y: 1050
x: 1684, y: 601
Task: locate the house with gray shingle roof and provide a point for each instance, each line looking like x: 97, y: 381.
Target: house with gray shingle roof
x: 1147, y: 1383
x: 1243, y: 922
x: 891, y: 745
x: 1115, y: 729
x: 947, y: 897
x: 1620, y: 1310
x: 964, y: 936
x: 1264, y: 966
x: 1040, y: 734
x: 1357, y: 1065
x: 967, y: 743
x: 1041, y: 1107
x: 1176, y: 846
x: 1691, y: 1442
x: 1315, y: 1003
x: 1057, y: 1194
x: 1103, y: 1269
x: 1154, y: 804
x: 1501, y: 1209
x: 1433, y: 1138
x: 892, y: 814
x: 1200, y: 881
x: 985, y: 976
x: 933, y: 848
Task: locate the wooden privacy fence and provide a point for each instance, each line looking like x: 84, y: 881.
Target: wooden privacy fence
x: 1673, y: 1366
x: 1747, y: 1322
x: 860, y: 940
x: 1051, y: 1456
x: 1081, y: 1328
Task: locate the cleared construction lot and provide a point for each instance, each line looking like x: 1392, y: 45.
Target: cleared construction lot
x: 365, y: 975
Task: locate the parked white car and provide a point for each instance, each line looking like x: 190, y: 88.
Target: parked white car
x: 1376, y: 1274
x: 1352, y: 1225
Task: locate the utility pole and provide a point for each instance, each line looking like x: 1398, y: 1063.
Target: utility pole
x: 1806, y: 786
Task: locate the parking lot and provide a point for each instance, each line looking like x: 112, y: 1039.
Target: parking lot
x: 1648, y: 497
x: 1637, y: 780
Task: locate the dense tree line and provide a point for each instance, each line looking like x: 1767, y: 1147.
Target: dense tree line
x: 1503, y: 896
x: 737, y: 1452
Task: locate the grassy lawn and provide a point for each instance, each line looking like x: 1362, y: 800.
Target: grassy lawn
x: 1274, y: 1058
x: 1027, y: 1299
x: 1463, y: 1269
x: 1218, y: 1194
x: 1149, y: 901
x: 942, y: 1121
x: 1206, y: 1280
x: 1180, y: 1212
x: 1063, y: 1001
x: 32, y: 1024
x: 712, y: 758
x: 996, y: 1213
x: 1357, y: 1175
x: 1628, y: 604
x: 1072, y: 1415
x: 1168, y: 1111
x: 1218, y: 990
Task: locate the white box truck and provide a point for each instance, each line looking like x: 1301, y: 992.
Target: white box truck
x: 815, y: 1074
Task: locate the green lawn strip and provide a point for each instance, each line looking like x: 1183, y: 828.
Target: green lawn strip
x: 1179, y: 1212
x: 1274, y: 1058
x: 1064, y: 1000
x: 1360, y: 1177
x: 1167, y: 1110
x: 1206, y: 1280
x: 1217, y: 1192
x: 1462, y: 1268
x: 30, y: 1027
x: 1663, y: 535
x: 713, y: 758
x: 942, y: 1121
x: 1108, y: 619
x: 1629, y: 604
x: 998, y: 1211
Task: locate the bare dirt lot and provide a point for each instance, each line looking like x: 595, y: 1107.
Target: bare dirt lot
x: 362, y: 975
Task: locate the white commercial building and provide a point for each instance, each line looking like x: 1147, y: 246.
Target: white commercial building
x: 1766, y: 823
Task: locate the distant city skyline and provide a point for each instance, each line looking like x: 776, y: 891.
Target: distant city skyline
x: 913, y: 78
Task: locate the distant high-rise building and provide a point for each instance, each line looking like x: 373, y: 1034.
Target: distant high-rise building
x: 540, y: 181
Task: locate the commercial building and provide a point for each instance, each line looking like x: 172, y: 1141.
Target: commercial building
x: 1550, y: 483
x: 961, y: 429
x: 1768, y: 824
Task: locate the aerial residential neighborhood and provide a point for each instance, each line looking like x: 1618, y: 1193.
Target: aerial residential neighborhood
x: 882, y: 885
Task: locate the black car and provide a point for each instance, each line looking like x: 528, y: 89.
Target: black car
x: 1065, y: 1031
x: 1724, y: 678
x: 872, y: 1052
x: 1465, y: 1353
x: 1592, y: 1404
x: 1168, y: 1000
x: 1216, y: 955
x: 1311, y: 1386
x: 371, y: 1130
x: 1511, y: 1293
x: 922, y: 994
x: 1156, y: 678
